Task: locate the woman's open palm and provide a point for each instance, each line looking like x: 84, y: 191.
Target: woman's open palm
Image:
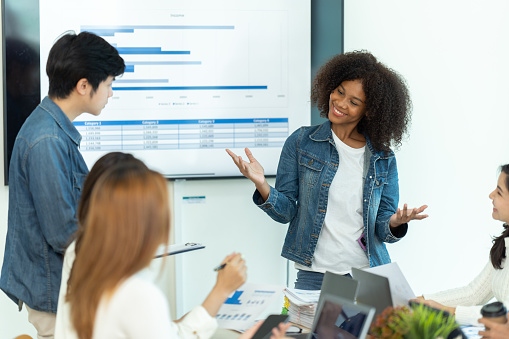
x: 252, y: 170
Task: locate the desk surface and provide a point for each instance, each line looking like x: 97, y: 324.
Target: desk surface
x: 222, y: 333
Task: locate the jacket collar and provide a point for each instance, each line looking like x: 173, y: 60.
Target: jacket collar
x: 61, y: 119
x: 323, y: 132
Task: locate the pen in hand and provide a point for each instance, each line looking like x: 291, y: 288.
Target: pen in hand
x: 220, y: 267
x: 228, y: 259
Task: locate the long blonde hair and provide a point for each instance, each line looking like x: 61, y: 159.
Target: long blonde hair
x: 128, y: 218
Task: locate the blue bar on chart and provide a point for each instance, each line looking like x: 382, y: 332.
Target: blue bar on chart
x: 163, y: 63
x: 148, y: 50
x: 187, y: 88
x: 140, y: 81
x: 111, y: 30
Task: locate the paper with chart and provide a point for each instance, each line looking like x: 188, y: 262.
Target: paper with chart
x: 243, y: 308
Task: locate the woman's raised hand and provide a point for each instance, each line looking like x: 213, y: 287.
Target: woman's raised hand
x: 252, y: 170
x: 403, y: 216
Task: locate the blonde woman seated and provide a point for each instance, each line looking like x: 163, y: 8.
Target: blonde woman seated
x: 125, y: 219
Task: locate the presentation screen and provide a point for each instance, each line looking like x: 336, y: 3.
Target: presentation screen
x: 201, y: 76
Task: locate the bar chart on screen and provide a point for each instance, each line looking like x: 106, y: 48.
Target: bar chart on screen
x: 198, y: 78
x: 167, y: 64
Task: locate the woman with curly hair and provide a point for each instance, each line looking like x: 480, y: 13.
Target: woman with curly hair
x: 337, y: 183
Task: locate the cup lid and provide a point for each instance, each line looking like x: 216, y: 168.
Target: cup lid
x: 495, y: 309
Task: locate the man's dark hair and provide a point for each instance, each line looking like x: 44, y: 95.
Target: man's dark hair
x: 74, y: 57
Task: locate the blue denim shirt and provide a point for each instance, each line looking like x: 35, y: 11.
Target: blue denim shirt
x: 309, y: 160
x: 45, y: 179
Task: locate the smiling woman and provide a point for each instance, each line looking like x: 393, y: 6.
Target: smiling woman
x: 337, y: 183
x: 387, y: 104
x: 346, y: 108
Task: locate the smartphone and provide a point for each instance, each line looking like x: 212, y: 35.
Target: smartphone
x: 362, y: 241
x: 272, y: 321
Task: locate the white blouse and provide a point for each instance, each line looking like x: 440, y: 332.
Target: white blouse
x: 137, y: 309
x: 469, y: 299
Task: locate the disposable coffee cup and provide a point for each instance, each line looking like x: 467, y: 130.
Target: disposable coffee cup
x: 495, y: 312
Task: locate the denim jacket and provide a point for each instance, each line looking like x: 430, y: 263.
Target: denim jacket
x: 309, y: 160
x: 45, y: 179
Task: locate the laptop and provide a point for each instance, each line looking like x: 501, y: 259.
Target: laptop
x: 383, y: 286
x: 401, y: 292
x: 340, y: 286
x: 340, y: 318
x: 373, y: 290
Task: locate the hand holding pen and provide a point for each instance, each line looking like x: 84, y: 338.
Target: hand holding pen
x: 225, y: 261
x: 219, y: 267
x: 232, y: 272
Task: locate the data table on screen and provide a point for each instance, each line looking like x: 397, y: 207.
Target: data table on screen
x: 181, y: 134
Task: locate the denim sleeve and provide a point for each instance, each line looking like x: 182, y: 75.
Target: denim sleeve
x: 388, y: 206
x: 50, y: 182
x: 281, y: 205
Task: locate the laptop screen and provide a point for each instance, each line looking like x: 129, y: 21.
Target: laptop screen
x: 340, y: 318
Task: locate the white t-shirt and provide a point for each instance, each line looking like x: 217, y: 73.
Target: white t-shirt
x: 137, y: 309
x: 337, y: 249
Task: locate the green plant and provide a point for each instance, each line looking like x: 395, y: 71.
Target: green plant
x: 428, y: 323
x: 391, y: 323
x: 421, y: 322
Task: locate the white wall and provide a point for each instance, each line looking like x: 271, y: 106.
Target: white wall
x: 225, y: 221
x: 454, y: 55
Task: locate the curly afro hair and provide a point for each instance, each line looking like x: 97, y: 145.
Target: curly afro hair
x: 388, y: 104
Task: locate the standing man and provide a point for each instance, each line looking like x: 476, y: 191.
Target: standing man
x: 47, y: 171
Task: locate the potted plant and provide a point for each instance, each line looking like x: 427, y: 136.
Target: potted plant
x: 419, y: 322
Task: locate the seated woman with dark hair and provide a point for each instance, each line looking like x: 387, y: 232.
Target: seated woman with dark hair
x: 466, y: 302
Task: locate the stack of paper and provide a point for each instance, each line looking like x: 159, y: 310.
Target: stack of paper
x: 302, y: 308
